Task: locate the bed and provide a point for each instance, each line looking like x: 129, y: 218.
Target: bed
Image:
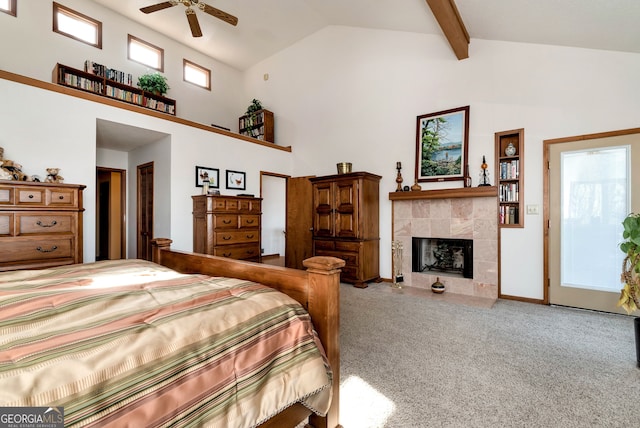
x: 189, y: 340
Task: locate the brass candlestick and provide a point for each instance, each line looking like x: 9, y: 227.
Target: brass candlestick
x: 399, y: 177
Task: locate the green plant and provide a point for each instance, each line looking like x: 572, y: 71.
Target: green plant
x: 154, y: 82
x: 254, y: 107
x: 630, y: 293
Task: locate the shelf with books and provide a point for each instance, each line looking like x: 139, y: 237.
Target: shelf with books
x: 98, y: 84
x: 509, y: 177
x: 258, y: 125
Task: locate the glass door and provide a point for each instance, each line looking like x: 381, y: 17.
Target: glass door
x: 590, y: 193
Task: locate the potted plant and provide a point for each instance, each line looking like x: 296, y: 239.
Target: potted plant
x: 630, y: 293
x: 155, y: 83
x: 254, y: 107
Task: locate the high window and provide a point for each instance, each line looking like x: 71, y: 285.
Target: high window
x: 74, y: 24
x: 145, y: 53
x: 8, y: 6
x: 198, y: 75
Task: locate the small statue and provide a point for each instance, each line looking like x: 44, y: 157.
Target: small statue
x: 53, y: 177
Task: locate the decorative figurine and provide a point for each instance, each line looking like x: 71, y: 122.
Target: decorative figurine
x: 484, y: 174
x: 399, y: 177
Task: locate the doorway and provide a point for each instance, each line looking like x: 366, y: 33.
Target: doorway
x: 145, y: 210
x: 590, y: 190
x: 273, y: 191
x: 286, y: 219
x: 110, y: 213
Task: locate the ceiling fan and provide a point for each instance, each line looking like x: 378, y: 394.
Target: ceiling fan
x: 191, y: 14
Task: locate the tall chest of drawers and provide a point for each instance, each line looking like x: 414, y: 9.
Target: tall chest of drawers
x: 227, y: 226
x: 40, y: 225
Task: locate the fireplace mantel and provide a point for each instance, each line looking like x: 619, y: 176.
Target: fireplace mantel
x: 462, y: 192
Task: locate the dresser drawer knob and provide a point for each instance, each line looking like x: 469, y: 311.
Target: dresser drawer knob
x: 250, y: 236
x: 226, y: 238
x: 249, y: 221
x: 30, y: 196
x: 42, y: 250
x: 226, y: 221
x: 41, y: 224
x: 61, y: 197
x: 226, y: 254
x: 250, y: 252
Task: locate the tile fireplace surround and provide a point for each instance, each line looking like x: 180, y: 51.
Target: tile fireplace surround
x: 465, y: 213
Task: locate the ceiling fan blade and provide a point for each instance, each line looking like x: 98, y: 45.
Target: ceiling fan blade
x: 193, y: 22
x: 157, y: 7
x: 230, y: 19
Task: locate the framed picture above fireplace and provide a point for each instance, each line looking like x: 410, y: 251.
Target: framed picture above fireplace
x: 442, y: 140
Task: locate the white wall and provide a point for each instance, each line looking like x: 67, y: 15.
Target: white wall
x: 32, y: 49
x: 353, y: 94
x: 43, y: 129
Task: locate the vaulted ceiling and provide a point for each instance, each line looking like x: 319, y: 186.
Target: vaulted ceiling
x: 268, y: 26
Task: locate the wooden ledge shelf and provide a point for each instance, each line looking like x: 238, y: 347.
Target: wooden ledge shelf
x: 18, y: 78
x: 463, y: 192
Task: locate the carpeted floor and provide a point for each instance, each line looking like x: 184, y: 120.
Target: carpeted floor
x: 412, y: 361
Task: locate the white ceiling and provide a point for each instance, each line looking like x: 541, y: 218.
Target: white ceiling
x: 268, y: 26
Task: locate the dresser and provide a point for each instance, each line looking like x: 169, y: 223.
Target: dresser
x: 346, y: 223
x: 227, y: 226
x: 40, y: 225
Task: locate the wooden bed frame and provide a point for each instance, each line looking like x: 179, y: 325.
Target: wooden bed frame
x: 317, y: 289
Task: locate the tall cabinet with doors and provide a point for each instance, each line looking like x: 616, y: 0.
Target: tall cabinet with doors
x: 346, y: 217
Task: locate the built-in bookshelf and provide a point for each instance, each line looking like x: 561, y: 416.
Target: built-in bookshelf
x: 510, y: 177
x: 113, y: 86
x: 258, y: 125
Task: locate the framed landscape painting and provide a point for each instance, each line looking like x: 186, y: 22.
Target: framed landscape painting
x: 442, y: 140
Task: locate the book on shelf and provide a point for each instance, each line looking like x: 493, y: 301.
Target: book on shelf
x: 509, y: 215
x: 109, y: 73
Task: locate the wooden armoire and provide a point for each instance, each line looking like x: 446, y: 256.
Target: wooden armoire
x: 346, y: 223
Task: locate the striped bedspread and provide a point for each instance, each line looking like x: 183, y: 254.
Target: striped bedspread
x: 131, y: 343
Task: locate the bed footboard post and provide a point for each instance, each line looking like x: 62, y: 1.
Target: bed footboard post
x: 158, y: 244
x: 324, y: 308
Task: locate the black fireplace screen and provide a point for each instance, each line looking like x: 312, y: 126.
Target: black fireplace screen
x: 454, y: 256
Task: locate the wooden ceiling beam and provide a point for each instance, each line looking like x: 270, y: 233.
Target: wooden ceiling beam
x: 447, y: 15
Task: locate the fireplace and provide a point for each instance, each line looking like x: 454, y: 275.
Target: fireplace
x: 442, y: 255
x: 464, y: 214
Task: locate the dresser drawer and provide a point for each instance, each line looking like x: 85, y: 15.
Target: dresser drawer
x: 62, y: 198
x: 6, y: 224
x: 237, y: 237
x: 32, y: 224
x: 21, y: 250
x: 240, y: 252
x: 249, y: 220
x: 348, y: 246
x: 6, y: 195
x: 351, y: 259
x: 226, y: 221
x: 323, y: 245
x: 31, y: 196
